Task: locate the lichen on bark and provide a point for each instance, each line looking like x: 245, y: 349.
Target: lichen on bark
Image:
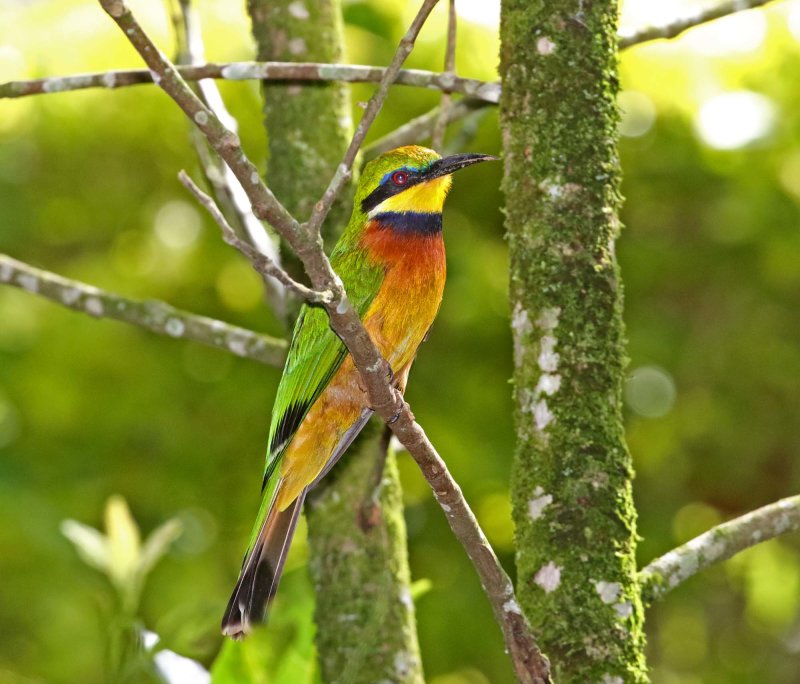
x: 571, y: 483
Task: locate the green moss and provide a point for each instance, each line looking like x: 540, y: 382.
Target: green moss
x: 559, y: 118
x: 308, y: 124
x: 365, y: 616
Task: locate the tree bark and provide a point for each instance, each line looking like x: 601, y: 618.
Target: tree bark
x: 308, y: 126
x: 571, y: 487
x: 366, y: 629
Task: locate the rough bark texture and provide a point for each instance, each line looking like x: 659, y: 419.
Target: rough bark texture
x: 366, y: 630
x: 309, y: 125
x: 571, y: 486
x: 365, y: 614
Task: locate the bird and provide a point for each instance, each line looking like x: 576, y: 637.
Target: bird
x: 391, y: 259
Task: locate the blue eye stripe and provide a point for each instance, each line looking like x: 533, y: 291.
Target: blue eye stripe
x: 388, y: 175
x: 407, y: 169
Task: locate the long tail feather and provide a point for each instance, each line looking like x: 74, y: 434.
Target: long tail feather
x: 261, y: 570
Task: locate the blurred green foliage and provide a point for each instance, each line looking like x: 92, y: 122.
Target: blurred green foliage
x: 122, y: 557
x: 711, y: 262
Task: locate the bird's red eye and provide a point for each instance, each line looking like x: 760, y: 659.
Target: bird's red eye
x: 400, y: 177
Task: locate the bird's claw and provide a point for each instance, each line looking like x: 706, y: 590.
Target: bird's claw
x: 396, y: 416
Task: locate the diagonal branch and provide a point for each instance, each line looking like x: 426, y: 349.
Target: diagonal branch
x: 264, y: 204
x: 260, y: 261
x: 422, y: 126
x: 227, y: 189
x: 156, y: 316
x: 530, y: 665
x: 718, y: 544
x: 678, y: 26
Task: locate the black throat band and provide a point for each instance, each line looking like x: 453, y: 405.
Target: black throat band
x: 411, y: 222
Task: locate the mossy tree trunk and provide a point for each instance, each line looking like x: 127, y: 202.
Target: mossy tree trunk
x: 571, y: 488
x: 366, y: 630
x: 308, y: 125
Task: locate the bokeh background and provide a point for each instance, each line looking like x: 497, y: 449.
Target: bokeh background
x: 711, y: 262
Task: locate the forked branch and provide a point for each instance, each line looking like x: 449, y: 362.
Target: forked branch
x: 260, y: 261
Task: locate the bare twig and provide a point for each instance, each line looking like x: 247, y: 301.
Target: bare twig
x: 343, y: 171
x: 421, y: 127
x: 264, y: 204
x: 718, y: 544
x: 156, y: 316
x: 349, y: 73
x: 265, y: 71
x: 437, y: 138
x: 228, y: 191
x: 675, y: 28
x: 529, y: 663
x: 387, y: 402
x: 260, y: 261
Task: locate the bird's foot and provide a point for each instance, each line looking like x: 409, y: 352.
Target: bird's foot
x: 396, y: 416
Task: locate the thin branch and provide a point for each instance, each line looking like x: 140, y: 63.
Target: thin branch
x: 422, y: 127
x: 437, y: 138
x: 488, y: 91
x: 264, y: 71
x: 154, y: 315
x: 264, y: 204
x: 718, y: 544
x: 260, y: 261
x: 343, y: 171
x: 227, y: 188
x: 675, y: 28
x: 529, y: 664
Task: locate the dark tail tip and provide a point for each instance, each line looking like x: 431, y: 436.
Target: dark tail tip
x: 248, y: 602
x: 261, y: 572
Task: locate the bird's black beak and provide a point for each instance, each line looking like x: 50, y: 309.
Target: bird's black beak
x: 447, y: 165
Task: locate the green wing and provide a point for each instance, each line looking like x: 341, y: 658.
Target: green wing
x: 316, y: 352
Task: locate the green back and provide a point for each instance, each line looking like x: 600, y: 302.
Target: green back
x: 316, y: 352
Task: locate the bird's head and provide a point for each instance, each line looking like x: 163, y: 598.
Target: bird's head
x: 409, y: 179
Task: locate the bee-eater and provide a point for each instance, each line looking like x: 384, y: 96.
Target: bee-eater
x: 391, y: 260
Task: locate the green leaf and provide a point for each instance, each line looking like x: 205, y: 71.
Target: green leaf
x: 123, y: 541
x: 157, y: 544
x: 91, y: 545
